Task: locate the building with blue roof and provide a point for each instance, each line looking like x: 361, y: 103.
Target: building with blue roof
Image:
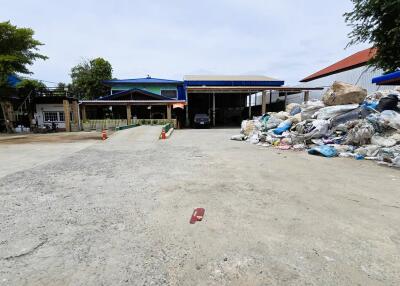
x: 152, y: 87
x: 13, y: 80
x: 225, y: 99
x: 388, y: 79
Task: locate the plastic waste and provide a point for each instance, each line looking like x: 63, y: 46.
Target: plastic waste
x: 346, y: 155
x: 390, y: 118
x: 370, y: 104
x: 248, y: 127
x: 382, y: 141
x: 359, y: 157
x: 388, y: 153
x: 388, y: 102
x: 332, y: 111
x: 360, y: 132
x: 290, y: 107
x: 323, y: 150
x: 396, y: 137
x: 346, y: 130
x: 358, y: 113
x: 273, y: 122
x: 309, y: 108
x: 295, y: 111
x: 264, y: 119
x: 285, y: 125
x: 282, y: 115
x: 396, y: 162
x: 299, y: 147
x: 254, y: 138
x: 239, y: 137
x: 368, y: 150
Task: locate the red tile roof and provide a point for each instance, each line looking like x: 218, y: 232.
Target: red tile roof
x: 353, y: 61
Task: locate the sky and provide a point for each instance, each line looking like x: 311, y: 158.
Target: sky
x: 285, y: 39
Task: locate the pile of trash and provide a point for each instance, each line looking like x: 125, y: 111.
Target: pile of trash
x: 346, y: 123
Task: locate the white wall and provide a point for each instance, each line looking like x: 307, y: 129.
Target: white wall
x: 40, y: 108
x: 361, y: 76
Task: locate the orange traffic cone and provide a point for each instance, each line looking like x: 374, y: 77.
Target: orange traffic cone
x: 163, y: 136
x: 103, y: 135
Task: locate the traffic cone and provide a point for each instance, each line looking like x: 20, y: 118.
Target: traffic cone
x: 103, y: 135
x: 163, y: 136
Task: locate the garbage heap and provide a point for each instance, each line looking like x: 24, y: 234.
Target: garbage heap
x: 346, y: 123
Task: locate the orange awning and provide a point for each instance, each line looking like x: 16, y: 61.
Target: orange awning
x: 178, y: 105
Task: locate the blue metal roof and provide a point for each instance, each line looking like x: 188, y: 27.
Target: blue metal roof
x: 232, y: 83
x: 117, y: 94
x: 146, y: 80
x: 388, y: 79
x: 13, y: 80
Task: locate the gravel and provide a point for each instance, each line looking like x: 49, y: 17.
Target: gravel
x: 117, y: 213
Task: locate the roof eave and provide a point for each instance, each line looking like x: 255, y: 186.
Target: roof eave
x: 311, y: 78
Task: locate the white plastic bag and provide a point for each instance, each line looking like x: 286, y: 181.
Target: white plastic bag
x: 332, y: 111
x: 309, y: 108
x: 390, y: 118
x: 382, y: 141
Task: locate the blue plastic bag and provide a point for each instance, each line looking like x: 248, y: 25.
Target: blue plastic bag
x: 295, y: 110
x: 323, y: 150
x: 284, y: 126
x: 359, y: 157
x: 370, y: 105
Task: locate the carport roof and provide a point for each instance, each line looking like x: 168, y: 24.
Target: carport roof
x: 131, y: 102
x: 228, y: 78
x: 146, y: 80
x: 247, y: 89
x: 231, y: 80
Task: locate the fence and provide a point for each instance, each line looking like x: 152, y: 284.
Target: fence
x: 100, y: 124
x: 154, y: 122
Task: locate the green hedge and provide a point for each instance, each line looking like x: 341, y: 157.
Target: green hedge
x: 167, y: 127
x: 155, y: 122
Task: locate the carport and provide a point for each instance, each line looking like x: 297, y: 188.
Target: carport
x: 228, y: 99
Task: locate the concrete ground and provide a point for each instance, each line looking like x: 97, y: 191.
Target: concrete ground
x: 32, y: 150
x: 117, y: 213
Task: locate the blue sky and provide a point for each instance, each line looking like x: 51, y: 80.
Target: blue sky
x: 286, y: 39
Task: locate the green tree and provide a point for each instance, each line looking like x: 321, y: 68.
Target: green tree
x: 61, y: 86
x: 18, y: 50
x: 88, y: 76
x: 377, y: 22
x: 30, y: 85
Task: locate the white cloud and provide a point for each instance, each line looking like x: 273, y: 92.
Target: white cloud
x: 285, y: 39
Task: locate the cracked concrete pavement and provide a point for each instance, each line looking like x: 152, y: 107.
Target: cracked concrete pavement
x: 117, y: 213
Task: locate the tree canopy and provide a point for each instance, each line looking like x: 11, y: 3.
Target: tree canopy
x: 30, y: 85
x: 87, y: 78
x: 377, y: 22
x: 18, y: 49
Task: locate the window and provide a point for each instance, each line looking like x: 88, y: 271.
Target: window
x: 50, y: 116
x: 171, y: 93
x: 53, y: 116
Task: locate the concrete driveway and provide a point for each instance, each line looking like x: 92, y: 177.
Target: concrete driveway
x: 117, y: 213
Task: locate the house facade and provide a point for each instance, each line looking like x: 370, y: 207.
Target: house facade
x: 141, y: 98
x: 56, y: 110
x: 161, y: 88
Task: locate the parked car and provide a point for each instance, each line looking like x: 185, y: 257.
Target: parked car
x: 202, y: 120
